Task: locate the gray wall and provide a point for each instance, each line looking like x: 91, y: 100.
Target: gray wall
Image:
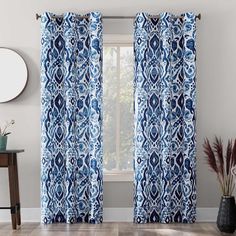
x: 216, y: 83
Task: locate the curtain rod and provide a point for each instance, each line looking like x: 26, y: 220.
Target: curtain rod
x: 122, y: 17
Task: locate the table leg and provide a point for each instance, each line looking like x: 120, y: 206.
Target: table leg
x: 12, y: 187
x: 17, y: 193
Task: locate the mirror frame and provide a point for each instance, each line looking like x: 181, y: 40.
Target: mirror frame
x: 27, y: 74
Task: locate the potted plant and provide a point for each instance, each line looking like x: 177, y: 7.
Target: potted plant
x: 4, y: 133
x: 222, y: 165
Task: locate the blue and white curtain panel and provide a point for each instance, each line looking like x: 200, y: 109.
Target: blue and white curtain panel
x: 165, y: 145
x: 71, y: 118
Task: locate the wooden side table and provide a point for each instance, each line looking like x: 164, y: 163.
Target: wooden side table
x: 8, y: 159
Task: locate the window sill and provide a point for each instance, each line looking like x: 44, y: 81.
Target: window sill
x: 118, y: 176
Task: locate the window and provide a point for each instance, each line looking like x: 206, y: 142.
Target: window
x: 118, y: 69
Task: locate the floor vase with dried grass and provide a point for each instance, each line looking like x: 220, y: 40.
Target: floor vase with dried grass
x: 226, y: 218
x: 223, y: 165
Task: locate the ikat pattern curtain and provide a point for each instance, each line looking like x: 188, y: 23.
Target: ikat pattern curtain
x: 165, y: 145
x: 71, y: 118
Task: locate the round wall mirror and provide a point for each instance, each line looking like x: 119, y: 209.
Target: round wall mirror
x: 13, y: 75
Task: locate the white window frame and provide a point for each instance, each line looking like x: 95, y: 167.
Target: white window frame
x: 122, y: 175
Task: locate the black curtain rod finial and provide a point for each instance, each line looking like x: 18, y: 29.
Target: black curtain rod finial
x: 37, y: 16
x: 199, y: 16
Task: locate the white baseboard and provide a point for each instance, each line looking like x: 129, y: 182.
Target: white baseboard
x: 126, y: 214
x: 118, y: 214
x: 110, y: 215
x: 27, y: 215
x: 207, y: 214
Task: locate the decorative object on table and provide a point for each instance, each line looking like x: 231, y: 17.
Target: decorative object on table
x: 223, y: 166
x: 13, y: 74
x: 4, y: 133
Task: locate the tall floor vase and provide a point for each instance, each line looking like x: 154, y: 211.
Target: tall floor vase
x: 226, y: 219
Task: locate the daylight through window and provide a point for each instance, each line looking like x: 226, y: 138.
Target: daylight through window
x: 118, y: 107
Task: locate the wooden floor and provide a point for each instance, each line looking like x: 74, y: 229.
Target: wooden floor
x: 111, y: 229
